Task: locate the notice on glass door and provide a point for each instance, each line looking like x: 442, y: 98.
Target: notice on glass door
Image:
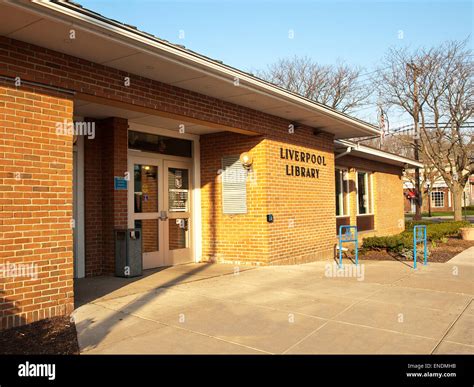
x: 178, y: 200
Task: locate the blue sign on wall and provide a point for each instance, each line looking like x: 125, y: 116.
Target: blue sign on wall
x: 120, y: 183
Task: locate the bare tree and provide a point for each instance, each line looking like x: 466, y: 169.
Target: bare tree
x: 337, y: 86
x: 435, y: 87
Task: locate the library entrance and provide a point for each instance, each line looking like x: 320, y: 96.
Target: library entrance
x: 159, y: 203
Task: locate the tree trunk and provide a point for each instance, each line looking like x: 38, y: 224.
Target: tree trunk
x: 417, y: 215
x: 457, y: 201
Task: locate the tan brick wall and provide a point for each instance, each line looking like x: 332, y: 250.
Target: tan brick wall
x: 233, y: 238
x: 304, y: 227
x: 303, y: 207
x: 303, y: 216
x: 35, y: 205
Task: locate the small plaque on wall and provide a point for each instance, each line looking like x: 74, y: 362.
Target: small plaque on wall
x: 120, y: 183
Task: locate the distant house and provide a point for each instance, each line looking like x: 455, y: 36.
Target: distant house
x: 436, y: 195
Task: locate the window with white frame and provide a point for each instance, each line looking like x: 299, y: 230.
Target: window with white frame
x: 342, y: 190
x: 437, y: 197
x: 364, y: 193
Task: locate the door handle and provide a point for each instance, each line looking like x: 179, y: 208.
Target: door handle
x: 163, y: 215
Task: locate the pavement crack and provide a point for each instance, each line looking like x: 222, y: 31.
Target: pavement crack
x: 451, y: 327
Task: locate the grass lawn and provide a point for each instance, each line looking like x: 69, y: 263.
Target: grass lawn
x: 444, y: 213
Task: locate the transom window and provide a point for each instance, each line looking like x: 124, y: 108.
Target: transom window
x: 147, y: 142
x: 437, y: 198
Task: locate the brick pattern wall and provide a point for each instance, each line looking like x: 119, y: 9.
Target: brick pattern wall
x: 35, y: 205
x: 239, y: 238
x: 114, y: 163
x: 105, y: 157
x: 303, y: 207
x: 304, y: 221
x: 93, y: 214
x: 42, y: 65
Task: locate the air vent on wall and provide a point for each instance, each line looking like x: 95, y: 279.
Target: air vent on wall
x: 234, y: 190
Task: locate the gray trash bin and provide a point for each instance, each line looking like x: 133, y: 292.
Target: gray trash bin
x: 128, y: 252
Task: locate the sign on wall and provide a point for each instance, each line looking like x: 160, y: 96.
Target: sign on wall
x: 120, y: 183
x: 310, y: 163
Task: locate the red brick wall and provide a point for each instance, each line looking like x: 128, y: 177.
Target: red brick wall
x: 35, y: 204
x: 114, y: 163
x: 38, y: 64
x: 93, y: 214
x: 105, y: 208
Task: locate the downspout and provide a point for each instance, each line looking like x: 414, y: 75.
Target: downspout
x: 348, y: 150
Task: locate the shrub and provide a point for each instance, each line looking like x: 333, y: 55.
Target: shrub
x: 402, y: 242
x: 437, y: 231
x: 396, y: 243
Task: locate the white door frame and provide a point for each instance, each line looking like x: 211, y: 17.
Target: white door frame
x: 155, y: 258
x: 78, y: 208
x: 196, y: 177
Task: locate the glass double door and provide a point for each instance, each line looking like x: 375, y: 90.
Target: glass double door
x: 160, y: 205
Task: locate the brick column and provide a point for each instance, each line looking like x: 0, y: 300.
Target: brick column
x: 93, y: 230
x: 36, y: 236
x: 114, y: 203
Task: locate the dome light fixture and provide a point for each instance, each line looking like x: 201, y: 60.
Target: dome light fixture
x: 246, y: 160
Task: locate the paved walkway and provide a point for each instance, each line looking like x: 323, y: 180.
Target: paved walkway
x: 199, y: 308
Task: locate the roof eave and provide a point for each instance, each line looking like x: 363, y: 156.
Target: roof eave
x: 123, y: 32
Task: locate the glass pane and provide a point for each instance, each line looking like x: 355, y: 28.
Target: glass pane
x: 338, y: 192
x: 159, y: 144
x: 178, y: 234
x: 362, y: 193
x: 146, y: 188
x: 178, y: 190
x: 149, y: 234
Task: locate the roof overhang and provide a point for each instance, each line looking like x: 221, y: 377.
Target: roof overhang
x: 365, y: 152
x: 108, y: 42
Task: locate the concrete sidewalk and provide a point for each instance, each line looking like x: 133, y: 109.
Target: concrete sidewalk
x: 199, y: 308
x: 464, y: 258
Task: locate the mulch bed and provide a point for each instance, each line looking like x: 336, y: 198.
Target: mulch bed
x: 54, y: 336
x: 443, y: 252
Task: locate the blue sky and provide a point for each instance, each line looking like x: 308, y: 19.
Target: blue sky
x: 251, y: 34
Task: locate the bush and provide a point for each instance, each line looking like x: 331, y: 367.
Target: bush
x: 404, y: 241
x: 396, y: 243
x: 438, y: 231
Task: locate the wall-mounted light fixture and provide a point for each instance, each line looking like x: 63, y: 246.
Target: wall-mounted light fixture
x: 246, y: 160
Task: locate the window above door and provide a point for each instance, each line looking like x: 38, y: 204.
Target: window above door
x: 153, y: 143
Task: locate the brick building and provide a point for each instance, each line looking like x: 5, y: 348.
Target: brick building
x: 436, y: 195
x: 104, y: 127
